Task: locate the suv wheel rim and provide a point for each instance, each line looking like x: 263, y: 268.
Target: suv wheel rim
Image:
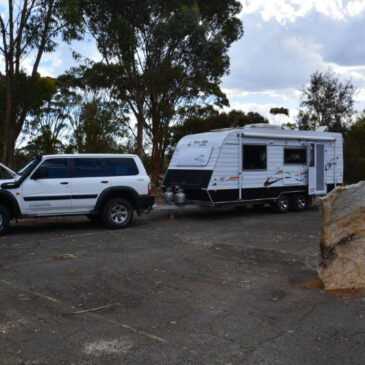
x: 302, y: 202
x: 283, y: 203
x: 119, y: 214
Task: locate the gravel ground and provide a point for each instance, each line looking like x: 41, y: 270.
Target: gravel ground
x: 223, y: 286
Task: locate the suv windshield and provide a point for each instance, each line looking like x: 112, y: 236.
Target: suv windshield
x: 29, y: 166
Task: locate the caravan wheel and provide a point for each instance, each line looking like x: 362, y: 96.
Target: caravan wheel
x: 281, y: 205
x: 299, y: 202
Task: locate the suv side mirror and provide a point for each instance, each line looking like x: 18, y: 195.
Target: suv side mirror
x: 39, y: 173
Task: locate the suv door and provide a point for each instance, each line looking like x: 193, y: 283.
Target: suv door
x: 88, y: 180
x: 47, y: 190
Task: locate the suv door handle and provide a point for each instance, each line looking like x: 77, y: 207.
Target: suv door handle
x: 104, y: 182
x: 64, y: 183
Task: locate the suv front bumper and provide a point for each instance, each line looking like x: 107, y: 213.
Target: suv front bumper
x: 145, y: 201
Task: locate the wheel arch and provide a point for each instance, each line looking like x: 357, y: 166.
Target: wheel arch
x: 10, y: 203
x: 124, y: 192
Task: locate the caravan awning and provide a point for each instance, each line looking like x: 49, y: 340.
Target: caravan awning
x: 286, y: 136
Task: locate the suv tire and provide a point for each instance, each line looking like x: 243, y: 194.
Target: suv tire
x: 4, y: 220
x: 117, y: 213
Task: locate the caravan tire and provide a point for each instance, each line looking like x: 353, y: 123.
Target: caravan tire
x: 299, y: 202
x: 281, y: 205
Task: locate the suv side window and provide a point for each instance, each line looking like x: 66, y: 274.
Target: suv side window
x: 55, y: 168
x: 121, y: 167
x: 88, y: 167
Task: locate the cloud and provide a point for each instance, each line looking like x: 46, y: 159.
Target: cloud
x: 56, y: 63
x: 284, y: 11
x: 286, y: 41
x: 264, y: 110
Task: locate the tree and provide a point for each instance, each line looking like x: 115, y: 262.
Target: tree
x: 44, y: 144
x: 97, y: 129
x: 161, y: 57
x: 354, y: 151
x: 30, y: 29
x: 289, y: 125
x: 279, y: 114
x: 277, y: 110
x: 209, y: 119
x: 54, y: 117
x: 326, y: 102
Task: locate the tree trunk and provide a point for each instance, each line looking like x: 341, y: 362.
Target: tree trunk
x: 7, y: 123
x: 156, y: 152
x: 9, y: 146
x: 139, y: 141
x: 156, y: 164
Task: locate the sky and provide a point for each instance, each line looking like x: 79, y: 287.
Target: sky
x: 285, y: 41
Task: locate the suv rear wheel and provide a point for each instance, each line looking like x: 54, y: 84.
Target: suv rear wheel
x: 117, y: 213
x: 4, y: 220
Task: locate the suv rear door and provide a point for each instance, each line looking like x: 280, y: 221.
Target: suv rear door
x: 88, y: 180
x: 49, y: 193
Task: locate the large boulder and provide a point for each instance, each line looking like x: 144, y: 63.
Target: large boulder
x: 342, y: 261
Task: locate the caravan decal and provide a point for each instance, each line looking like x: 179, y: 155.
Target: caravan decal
x: 232, y: 178
x: 331, y: 162
x: 273, y: 179
x: 200, y: 143
x: 299, y: 176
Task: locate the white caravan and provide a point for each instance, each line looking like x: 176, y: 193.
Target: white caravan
x: 254, y: 164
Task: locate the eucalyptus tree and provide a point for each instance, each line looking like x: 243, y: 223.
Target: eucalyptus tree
x: 161, y: 57
x: 326, y: 101
x: 97, y: 127
x: 28, y: 30
x: 209, y: 119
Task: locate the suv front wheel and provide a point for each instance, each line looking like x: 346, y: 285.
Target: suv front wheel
x: 117, y: 213
x: 4, y: 220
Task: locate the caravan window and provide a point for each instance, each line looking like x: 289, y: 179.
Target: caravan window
x: 295, y: 156
x: 254, y: 157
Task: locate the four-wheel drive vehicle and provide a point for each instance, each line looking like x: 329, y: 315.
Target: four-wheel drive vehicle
x: 109, y: 187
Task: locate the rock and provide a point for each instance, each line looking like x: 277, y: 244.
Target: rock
x: 342, y: 261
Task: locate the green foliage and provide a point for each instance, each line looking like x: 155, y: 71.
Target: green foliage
x: 76, y: 120
x: 354, y: 152
x: 327, y: 102
x: 30, y: 29
x: 44, y: 144
x: 96, y: 129
x: 276, y: 111
x: 209, y: 119
x: 162, y: 57
x: 289, y: 125
x: 28, y: 93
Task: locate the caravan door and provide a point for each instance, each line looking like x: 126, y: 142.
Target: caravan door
x: 317, y: 169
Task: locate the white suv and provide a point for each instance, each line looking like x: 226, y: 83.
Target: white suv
x: 108, y: 187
